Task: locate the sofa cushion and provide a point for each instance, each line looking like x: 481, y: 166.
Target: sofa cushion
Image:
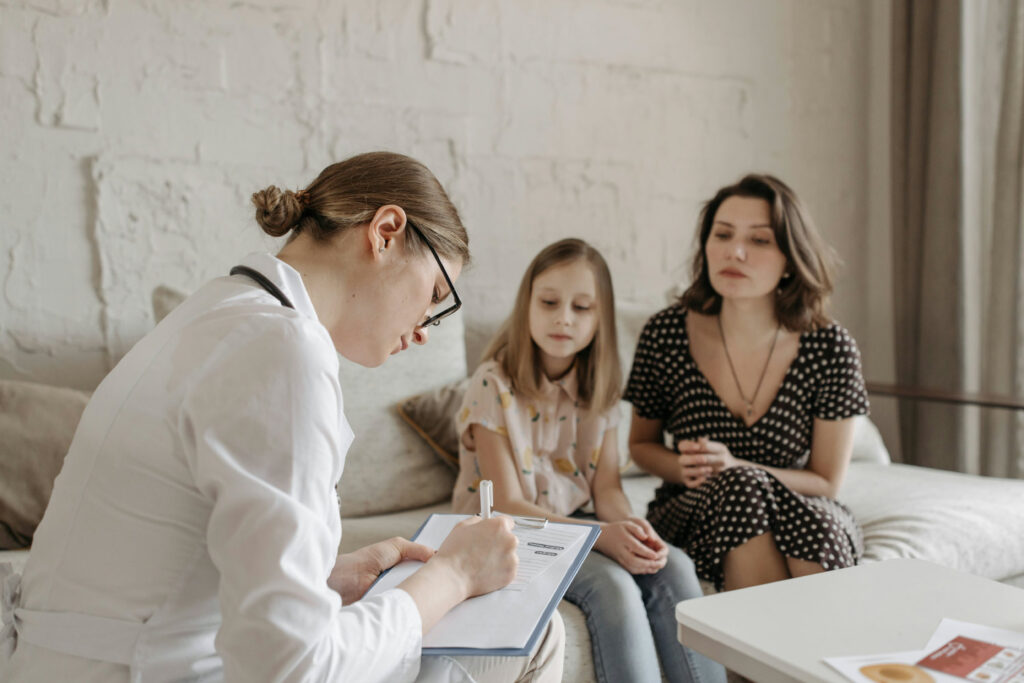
x: 37, y: 423
x: 961, y: 521
x: 868, y: 446
x: 431, y: 415
x: 389, y: 466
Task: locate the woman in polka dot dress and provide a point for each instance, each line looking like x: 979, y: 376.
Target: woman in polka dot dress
x: 757, y: 387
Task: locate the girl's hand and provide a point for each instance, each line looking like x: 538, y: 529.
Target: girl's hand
x: 355, y: 572
x: 634, y: 545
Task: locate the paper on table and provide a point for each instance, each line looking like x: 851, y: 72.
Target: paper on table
x: 894, y: 666
x: 904, y: 663
x: 499, y: 620
x: 982, y: 653
x: 951, y: 628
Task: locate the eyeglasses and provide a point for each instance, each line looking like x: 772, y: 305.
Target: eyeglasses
x: 438, y: 317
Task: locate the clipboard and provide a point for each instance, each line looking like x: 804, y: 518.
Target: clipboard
x: 504, y: 622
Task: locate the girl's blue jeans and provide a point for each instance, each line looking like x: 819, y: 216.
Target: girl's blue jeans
x: 632, y: 622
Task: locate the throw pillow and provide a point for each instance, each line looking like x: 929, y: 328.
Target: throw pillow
x: 867, y: 443
x: 431, y: 415
x: 37, y: 423
x: 166, y: 299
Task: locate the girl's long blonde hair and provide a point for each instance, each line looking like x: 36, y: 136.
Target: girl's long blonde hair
x: 599, y: 372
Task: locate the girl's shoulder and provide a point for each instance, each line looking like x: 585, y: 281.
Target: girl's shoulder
x: 489, y: 375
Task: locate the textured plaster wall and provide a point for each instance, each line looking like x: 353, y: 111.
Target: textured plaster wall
x: 132, y: 133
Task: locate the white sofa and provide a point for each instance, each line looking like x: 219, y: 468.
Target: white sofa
x: 394, y: 479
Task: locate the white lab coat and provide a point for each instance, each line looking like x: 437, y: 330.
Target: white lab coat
x: 194, y: 524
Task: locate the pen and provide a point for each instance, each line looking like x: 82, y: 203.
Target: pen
x: 486, y: 498
x: 487, y: 502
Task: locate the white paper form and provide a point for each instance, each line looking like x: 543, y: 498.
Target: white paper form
x: 502, y: 619
x: 539, y: 549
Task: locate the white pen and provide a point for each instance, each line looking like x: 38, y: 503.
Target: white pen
x: 487, y: 502
x: 486, y: 498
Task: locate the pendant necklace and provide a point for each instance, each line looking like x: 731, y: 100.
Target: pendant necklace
x: 749, y: 403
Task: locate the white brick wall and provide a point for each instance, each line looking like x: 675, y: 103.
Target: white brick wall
x: 133, y: 132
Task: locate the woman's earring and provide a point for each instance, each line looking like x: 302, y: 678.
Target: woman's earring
x: 783, y: 282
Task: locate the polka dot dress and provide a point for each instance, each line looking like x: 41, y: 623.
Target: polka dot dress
x: 824, y: 381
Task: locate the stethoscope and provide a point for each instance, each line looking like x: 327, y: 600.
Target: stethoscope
x: 263, y: 282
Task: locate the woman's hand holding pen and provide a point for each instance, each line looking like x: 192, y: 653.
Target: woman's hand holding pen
x: 478, y: 556
x: 634, y: 544
x: 355, y: 572
x: 702, y: 459
x: 481, y: 552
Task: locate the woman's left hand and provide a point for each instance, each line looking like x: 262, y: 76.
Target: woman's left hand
x: 716, y: 455
x: 355, y: 572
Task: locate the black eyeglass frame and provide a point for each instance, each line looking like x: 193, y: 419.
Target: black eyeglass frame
x: 438, y: 317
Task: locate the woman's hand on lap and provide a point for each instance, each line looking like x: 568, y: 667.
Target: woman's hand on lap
x: 355, y: 572
x: 702, y: 459
x: 717, y: 455
x: 694, y: 468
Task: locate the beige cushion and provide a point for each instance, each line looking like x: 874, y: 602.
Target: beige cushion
x: 961, y: 521
x: 868, y: 446
x: 37, y: 423
x: 389, y: 466
x: 166, y: 299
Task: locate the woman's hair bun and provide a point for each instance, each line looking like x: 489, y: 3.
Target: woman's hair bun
x: 277, y: 212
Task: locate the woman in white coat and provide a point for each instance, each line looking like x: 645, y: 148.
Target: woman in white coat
x: 193, y: 531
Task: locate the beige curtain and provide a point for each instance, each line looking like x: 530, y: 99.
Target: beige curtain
x: 926, y: 222
x: 993, y: 159
x: 958, y: 226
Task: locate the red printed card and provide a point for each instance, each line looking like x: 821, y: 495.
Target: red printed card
x: 976, y: 660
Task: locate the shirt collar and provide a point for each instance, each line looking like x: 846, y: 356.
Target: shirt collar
x: 286, y: 278
x: 568, y: 383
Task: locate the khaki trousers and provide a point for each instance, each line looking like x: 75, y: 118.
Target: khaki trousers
x: 543, y: 666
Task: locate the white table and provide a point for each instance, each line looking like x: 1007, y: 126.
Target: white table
x: 781, y: 631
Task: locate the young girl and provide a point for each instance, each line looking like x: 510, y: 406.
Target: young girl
x: 539, y: 420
